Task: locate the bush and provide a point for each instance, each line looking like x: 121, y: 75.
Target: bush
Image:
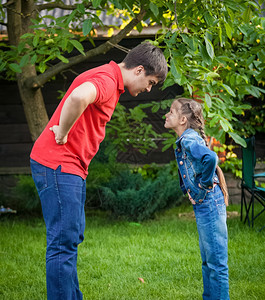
x: 99, y: 175
x: 129, y: 195
x: 22, y: 196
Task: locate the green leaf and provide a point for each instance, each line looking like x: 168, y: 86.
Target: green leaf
x: 190, y: 89
x: 78, y: 46
x: 81, y: 8
x: 42, y: 67
x: 224, y: 125
x: 62, y: 58
x: 26, y: 35
x: 166, y: 147
x: 214, y: 121
x: 213, y: 75
x: 231, y: 14
x: 15, y: 68
x: 228, y: 89
x: 154, y: 8
x: 175, y: 70
x: 35, y: 40
x: 228, y: 30
x: 247, y: 15
x: 252, y: 90
x: 209, y: 47
x: 24, y: 61
x: 239, y: 140
x: 95, y: 3
x: 208, y: 100
x: 87, y: 26
x: 221, y: 36
x: 208, y: 18
x: 206, y: 58
x: 155, y: 108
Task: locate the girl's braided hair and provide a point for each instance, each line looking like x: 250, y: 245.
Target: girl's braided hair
x: 192, y: 110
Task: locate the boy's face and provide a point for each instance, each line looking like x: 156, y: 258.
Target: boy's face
x: 140, y: 83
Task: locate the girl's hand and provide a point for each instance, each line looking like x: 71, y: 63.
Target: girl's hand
x: 190, y: 198
x: 59, y: 139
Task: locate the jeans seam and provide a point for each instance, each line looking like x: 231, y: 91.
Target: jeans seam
x: 60, y: 241
x: 217, y: 254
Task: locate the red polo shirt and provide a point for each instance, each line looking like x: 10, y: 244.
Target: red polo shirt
x: 89, y: 130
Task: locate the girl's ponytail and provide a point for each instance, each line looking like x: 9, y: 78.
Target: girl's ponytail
x: 222, y: 184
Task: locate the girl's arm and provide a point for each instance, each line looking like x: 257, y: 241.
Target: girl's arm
x: 207, y: 158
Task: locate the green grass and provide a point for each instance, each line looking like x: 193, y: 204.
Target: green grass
x: 164, y: 252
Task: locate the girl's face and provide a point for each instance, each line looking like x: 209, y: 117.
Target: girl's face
x: 172, y: 117
x: 174, y: 120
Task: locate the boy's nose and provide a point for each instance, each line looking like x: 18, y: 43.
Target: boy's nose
x: 148, y: 89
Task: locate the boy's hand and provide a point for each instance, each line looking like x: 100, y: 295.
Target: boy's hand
x: 59, y: 139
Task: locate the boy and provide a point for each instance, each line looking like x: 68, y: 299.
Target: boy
x: 61, y: 155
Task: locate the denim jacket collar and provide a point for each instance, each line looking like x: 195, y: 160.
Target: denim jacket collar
x: 186, y: 132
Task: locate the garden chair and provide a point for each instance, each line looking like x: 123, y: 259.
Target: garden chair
x: 248, y: 184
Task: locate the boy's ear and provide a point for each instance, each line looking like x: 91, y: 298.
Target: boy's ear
x: 139, y: 69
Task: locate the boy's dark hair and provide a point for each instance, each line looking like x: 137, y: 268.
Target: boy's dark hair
x: 150, y: 57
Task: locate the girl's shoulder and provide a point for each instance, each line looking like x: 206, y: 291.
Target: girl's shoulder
x: 191, y: 138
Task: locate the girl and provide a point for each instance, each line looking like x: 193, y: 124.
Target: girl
x: 203, y: 181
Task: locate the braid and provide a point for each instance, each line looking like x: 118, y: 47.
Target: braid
x: 199, y: 120
x: 193, y: 111
x: 203, y: 135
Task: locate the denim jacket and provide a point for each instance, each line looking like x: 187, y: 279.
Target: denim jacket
x: 196, y: 165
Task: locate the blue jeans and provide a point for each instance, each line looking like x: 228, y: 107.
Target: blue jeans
x: 62, y: 198
x: 211, y: 224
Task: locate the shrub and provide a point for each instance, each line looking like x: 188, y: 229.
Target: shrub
x: 22, y: 196
x: 129, y: 195
x: 99, y: 175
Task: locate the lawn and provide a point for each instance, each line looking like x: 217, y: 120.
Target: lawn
x: 162, y: 252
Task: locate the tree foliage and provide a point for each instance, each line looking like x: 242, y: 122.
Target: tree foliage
x: 215, y: 50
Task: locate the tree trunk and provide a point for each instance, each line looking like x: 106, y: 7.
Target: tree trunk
x: 19, y: 14
x: 33, y: 104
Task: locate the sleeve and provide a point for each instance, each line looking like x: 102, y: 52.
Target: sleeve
x: 105, y: 87
x: 206, y: 157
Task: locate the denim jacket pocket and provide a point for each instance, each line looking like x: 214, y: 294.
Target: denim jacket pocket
x: 200, y: 195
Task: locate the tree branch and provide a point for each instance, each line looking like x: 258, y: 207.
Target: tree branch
x: 61, y: 5
x: 38, y: 81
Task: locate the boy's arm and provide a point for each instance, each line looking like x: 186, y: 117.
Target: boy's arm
x: 72, y: 109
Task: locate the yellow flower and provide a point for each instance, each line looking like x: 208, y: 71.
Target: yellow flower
x: 258, y: 41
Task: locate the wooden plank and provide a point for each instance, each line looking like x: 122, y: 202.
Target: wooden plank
x: 10, y: 114
x: 14, y: 133
x: 15, y: 155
